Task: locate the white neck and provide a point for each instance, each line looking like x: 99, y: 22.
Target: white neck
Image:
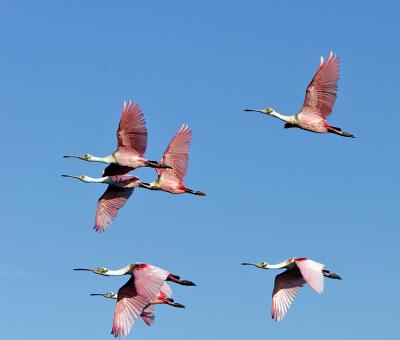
x: 108, y: 159
x: 281, y: 265
x: 123, y: 271
x: 287, y: 119
x: 88, y: 179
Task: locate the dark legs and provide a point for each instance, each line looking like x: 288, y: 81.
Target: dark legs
x: 327, y: 273
x: 197, y: 193
x: 177, y: 279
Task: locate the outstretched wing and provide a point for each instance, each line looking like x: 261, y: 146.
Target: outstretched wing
x: 287, y: 285
x: 177, y: 156
x: 127, y: 309
x: 113, y: 199
x: 312, y: 273
x: 132, y: 131
x: 149, y: 280
x: 321, y: 92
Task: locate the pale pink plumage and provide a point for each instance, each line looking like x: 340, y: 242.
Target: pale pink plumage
x: 288, y: 284
x: 132, y: 131
x: 113, y: 199
x: 318, y: 102
x: 176, y: 155
x: 320, y: 98
x: 142, y: 288
x: 132, y: 141
x: 148, y: 312
x: 321, y: 92
x: 127, y: 309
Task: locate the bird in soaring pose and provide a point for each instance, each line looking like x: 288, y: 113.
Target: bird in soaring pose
x: 176, y: 155
x: 132, y: 143
x: 298, y: 271
x: 120, y: 188
x: 143, y: 287
x: 147, y: 314
x: 318, y: 103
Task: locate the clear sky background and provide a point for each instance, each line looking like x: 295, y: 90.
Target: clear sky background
x: 67, y: 66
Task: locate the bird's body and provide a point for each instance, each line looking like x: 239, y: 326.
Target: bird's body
x: 318, y: 103
x: 132, y: 144
x: 287, y: 284
x: 144, y: 286
x: 177, y: 156
x: 147, y: 314
x: 120, y: 188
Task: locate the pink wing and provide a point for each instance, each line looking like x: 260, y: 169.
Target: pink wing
x: 312, y: 273
x: 287, y: 285
x: 148, y: 315
x: 149, y: 280
x: 132, y: 131
x: 109, y: 203
x: 321, y: 93
x: 127, y: 309
x: 177, y: 156
x: 166, y: 290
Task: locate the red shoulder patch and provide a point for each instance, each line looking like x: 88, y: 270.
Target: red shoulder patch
x: 301, y: 258
x: 141, y: 266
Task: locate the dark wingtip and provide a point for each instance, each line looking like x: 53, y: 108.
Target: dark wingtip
x: 178, y: 305
x: 187, y: 283
x: 347, y: 134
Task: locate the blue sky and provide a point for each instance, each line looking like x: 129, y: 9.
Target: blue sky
x: 67, y: 66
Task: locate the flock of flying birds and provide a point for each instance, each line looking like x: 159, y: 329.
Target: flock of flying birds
x: 147, y: 285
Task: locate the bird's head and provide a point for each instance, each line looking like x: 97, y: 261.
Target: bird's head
x: 262, y: 264
x: 81, y: 178
x: 84, y: 157
x: 266, y: 111
x: 100, y: 270
x: 110, y: 295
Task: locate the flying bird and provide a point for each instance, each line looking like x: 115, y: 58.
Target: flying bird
x: 132, y: 144
x: 120, y: 188
x: 147, y: 313
x: 143, y: 269
x: 177, y: 156
x: 143, y: 287
x: 318, y: 103
x: 298, y: 271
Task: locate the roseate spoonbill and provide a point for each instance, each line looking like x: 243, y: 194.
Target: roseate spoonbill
x: 141, y: 268
x: 318, y: 103
x: 298, y: 271
x: 132, y: 143
x: 177, y: 156
x: 148, y: 311
x: 120, y: 188
x: 142, y: 288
